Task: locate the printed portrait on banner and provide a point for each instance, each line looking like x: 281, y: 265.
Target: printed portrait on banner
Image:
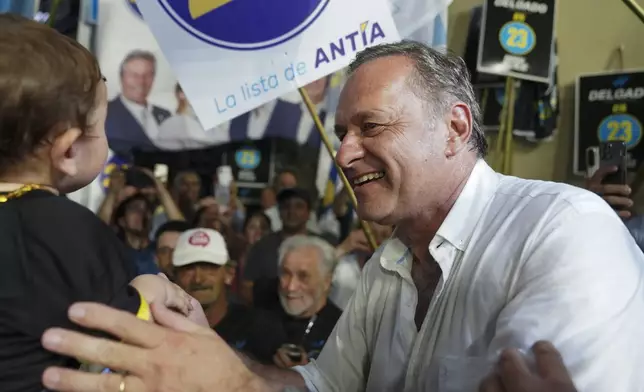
x: 148, y: 109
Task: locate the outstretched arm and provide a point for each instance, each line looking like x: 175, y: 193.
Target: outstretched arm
x: 278, y: 379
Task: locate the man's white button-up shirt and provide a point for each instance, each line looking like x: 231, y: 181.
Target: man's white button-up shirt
x: 521, y: 261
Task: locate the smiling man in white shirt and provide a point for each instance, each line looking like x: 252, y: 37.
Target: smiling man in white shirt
x: 479, y: 261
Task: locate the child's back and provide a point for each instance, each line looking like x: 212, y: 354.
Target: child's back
x: 53, y: 252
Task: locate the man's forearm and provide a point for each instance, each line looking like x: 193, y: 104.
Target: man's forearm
x: 277, y: 380
x: 258, y: 384
x: 274, y: 386
x: 280, y: 378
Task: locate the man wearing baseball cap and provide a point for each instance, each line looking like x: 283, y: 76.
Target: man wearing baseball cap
x: 200, y: 261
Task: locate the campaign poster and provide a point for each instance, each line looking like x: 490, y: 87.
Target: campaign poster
x: 609, y: 106
x: 517, y: 39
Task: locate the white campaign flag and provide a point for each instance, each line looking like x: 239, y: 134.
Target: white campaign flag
x: 414, y: 16
x: 122, y: 30
x: 232, y: 56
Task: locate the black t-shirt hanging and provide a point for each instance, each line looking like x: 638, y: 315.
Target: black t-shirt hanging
x: 53, y: 252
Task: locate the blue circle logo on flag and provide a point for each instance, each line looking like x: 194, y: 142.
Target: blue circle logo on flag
x: 134, y: 7
x: 248, y: 158
x: 244, y: 24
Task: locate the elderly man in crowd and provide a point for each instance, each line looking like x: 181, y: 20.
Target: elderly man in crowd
x: 260, y: 272
x: 296, y: 331
x: 479, y: 262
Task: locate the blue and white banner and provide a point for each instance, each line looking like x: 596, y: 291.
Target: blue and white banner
x: 122, y: 32
x: 232, y: 56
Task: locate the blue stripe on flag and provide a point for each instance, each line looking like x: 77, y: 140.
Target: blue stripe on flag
x: 439, y: 38
x: 331, y: 187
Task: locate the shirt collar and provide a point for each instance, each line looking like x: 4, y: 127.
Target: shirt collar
x: 132, y: 105
x: 459, y: 225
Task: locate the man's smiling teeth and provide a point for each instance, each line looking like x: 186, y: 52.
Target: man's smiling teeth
x: 368, y: 177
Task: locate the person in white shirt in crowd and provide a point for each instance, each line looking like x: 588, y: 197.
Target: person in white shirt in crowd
x: 479, y: 262
x: 132, y: 122
x: 353, y: 253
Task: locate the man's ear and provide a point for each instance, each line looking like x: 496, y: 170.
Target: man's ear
x: 230, y: 274
x: 459, y: 129
x: 327, y: 282
x: 64, y: 152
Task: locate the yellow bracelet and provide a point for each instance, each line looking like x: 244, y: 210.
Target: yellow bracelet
x: 144, y: 309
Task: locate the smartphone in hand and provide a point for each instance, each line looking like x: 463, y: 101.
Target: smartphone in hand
x: 613, y: 153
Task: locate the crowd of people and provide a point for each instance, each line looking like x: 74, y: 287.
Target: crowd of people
x: 178, y: 291
x: 270, y: 281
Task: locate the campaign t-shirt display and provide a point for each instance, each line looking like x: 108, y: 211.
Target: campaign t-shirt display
x: 53, y: 253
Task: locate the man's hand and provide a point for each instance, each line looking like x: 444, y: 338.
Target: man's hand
x: 356, y: 241
x: 617, y: 196
x: 189, y: 358
x: 514, y: 375
x: 282, y: 360
x: 149, y: 173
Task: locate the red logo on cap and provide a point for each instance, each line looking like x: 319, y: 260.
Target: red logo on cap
x: 199, y: 238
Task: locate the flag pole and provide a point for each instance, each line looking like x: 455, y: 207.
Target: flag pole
x: 310, y: 106
x: 637, y: 10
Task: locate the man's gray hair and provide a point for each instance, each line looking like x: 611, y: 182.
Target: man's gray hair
x: 139, y: 54
x: 328, y: 260
x: 440, y: 78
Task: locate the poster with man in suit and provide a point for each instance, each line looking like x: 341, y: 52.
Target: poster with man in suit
x: 133, y: 122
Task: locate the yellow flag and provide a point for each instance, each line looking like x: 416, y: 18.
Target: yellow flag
x: 200, y: 8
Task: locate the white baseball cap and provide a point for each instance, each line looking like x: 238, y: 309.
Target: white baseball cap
x: 200, y: 246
